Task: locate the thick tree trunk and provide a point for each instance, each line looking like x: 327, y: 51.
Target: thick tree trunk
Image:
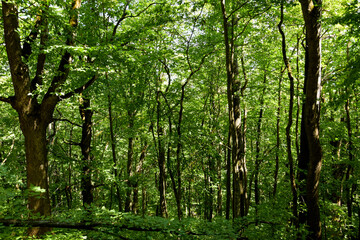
x: 35, y: 116
x: 37, y: 170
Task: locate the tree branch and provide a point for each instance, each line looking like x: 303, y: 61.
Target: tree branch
x: 94, y: 225
x: 6, y: 99
x: 64, y: 69
x: 80, y: 89
x: 66, y: 120
x: 37, y: 80
x: 237, y: 9
x: 123, y: 16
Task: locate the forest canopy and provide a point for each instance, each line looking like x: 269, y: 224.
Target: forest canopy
x: 203, y: 119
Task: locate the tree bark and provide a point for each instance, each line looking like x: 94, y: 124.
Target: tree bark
x: 161, y: 162
x: 85, y: 145
x: 237, y: 147
x: 312, y: 16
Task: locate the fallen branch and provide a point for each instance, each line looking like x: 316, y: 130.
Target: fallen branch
x: 93, y: 226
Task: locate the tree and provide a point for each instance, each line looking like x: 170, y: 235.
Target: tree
x: 311, y: 113
x: 34, y: 113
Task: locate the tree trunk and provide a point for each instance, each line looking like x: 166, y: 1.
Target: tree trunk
x: 312, y: 14
x: 113, y: 151
x: 258, y: 141
x: 290, y: 120
x: 35, y: 116
x: 130, y: 159
x: 219, y: 187
x: 37, y: 170
x: 349, y: 186
x: 138, y: 172
x: 237, y: 147
x: 228, y: 177
x: 278, y: 114
x: 85, y: 145
x: 161, y: 162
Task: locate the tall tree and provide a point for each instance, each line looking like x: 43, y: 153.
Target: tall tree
x: 235, y: 126
x: 311, y: 10
x: 35, y: 113
x: 290, y: 118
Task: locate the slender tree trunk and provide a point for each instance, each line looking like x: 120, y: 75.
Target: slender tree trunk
x: 237, y: 149
x: 85, y: 145
x: 349, y: 187
x: 138, y: 173
x: 290, y: 120
x: 113, y: 151
x: 161, y: 162
x: 68, y: 190
x: 278, y: 115
x: 228, y: 177
x: 219, y: 186
x: 130, y: 160
x: 297, y: 98
x: 209, y: 191
x: 257, y: 144
x: 312, y: 14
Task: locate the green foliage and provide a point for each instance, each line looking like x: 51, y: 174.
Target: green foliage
x: 143, y: 53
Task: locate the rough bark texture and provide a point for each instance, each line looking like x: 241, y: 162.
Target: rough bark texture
x: 312, y: 14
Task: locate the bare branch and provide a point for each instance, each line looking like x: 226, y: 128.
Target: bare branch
x: 237, y: 9
x: 167, y: 70
x: 142, y: 11
x: 66, y: 120
x: 123, y: 16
